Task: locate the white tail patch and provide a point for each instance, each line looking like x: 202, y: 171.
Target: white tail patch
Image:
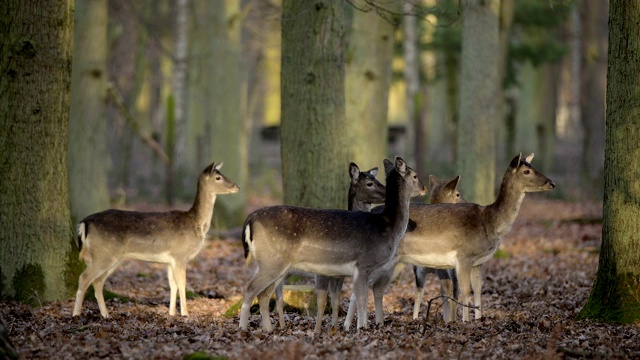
x: 83, y: 243
x: 247, y: 240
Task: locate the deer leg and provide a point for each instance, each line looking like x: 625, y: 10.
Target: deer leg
x: 258, y: 283
x: 420, y: 275
x: 476, y: 285
x: 361, y: 289
x: 464, y: 280
x: 280, y: 303
x: 94, y: 270
x: 98, y: 286
x: 173, y: 290
x: 446, y: 290
x: 322, y: 284
x: 180, y: 275
x: 335, y: 290
x: 350, y: 311
x: 263, y: 301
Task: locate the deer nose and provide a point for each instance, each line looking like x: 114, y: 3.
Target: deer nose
x: 551, y: 183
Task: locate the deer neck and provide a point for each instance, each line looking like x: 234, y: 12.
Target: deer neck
x: 503, y: 212
x: 357, y: 205
x: 202, y: 209
x: 396, y: 206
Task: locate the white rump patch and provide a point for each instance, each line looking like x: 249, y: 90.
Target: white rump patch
x: 247, y: 238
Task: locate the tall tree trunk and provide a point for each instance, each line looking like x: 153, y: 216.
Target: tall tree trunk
x: 479, y: 82
x: 368, y: 78
x: 227, y: 107
x: 177, y: 149
x: 89, y: 159
x: 592, y: 88
x: 615, y: 296
x: 313, y: 145
x: 411, y: 80
x: 38, y: 258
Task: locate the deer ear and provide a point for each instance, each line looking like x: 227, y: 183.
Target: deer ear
x: 373, y: 171
x: 401, y: 166
x: 354, y: 171
x: 433, y: 181
x: 453, y: 184
x: 388, y: 166
x: 529, y: 158
x: 515, y: 162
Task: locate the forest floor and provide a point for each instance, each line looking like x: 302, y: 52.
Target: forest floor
x: 530, y: 299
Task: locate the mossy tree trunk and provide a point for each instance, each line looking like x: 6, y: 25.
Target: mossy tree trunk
x: 89, y: 158
x: 615, y: 296
x: 38, y: 257
x: 479, y: 84
x: 368, y: 78
x: 313, y: 140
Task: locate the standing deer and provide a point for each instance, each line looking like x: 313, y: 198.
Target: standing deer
x: 327, y: 242
x: 364, y: 190
x: 442, y: 192
x: 465, y: 236
x: 106, y: 238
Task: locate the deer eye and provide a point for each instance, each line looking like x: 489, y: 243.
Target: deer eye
x: 527, y: 172
x: 218, y: 178
x: 369, y: 184
x: 458, y: 195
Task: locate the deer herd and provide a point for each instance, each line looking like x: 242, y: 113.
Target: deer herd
x: 371, y: 245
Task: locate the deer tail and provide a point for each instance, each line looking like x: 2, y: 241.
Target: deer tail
x: 82, y: 236
x: 247, y: 242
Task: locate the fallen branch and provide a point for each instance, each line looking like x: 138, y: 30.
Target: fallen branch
x: 146, y: 139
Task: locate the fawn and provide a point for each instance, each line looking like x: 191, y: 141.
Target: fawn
x: 327, y: 242
x: 106, y: 238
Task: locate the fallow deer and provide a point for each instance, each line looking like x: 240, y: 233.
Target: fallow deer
x: 106, y: 238
x: 327, y: 242
x: 465, y: 236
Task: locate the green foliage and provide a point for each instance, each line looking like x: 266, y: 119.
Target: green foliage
x: 501, y: 254
x: 202, y: 355
x: 170, y: 127
x: 29, y: 285
x: 193, y: 295
x: 108, y: 295
x: 233, y: 310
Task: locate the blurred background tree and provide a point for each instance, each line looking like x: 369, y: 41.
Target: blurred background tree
x: 402, y: 93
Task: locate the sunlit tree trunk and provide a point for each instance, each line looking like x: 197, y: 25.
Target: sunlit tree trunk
x: 38, y: 258
x: 368, y: 78
x: 313, y: 146
x: 592, y: 88
x: 615, y: 296
x: 89, y: 158
x: 478, y: 105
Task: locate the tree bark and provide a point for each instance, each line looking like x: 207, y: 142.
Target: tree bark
x: 478, y: 86
x: 89, y: 159
x: 368, y: 78
x: 615, y: 296
x: 313, y: 146
x: 38, y: 258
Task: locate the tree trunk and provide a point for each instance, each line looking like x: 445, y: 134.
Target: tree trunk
x: 313, y: 146
x: 592, y: 88
x: 615, y: 296
x: 89, y: 159
x: 227, y: 107
x: 368, y: 78
x: 38, y: 258
x: 411, y: 80
x: 479, y: 82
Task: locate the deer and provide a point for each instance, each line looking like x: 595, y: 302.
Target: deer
x: 464, y: 236
x: 441, y: 192
x: 107, y: 238
x: 327, y: 242
x: 364, y: 190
